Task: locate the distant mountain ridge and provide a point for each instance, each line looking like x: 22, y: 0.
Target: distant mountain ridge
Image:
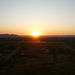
x: 8, y: 35
x: 14, y: 35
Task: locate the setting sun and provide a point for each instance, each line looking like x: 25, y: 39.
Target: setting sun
x: 35, y: 33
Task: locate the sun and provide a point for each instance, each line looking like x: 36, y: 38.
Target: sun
x: 35, y: 33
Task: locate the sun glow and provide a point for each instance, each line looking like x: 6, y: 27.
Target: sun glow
x: 35, y: 33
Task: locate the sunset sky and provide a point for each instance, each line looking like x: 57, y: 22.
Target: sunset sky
x: 48, y: 17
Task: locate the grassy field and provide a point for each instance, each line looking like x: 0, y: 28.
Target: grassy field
x: 37, y: 56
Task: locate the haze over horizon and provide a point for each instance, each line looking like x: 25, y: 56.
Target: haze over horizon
x: 49, y: 17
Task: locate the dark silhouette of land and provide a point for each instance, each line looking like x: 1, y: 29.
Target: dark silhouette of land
x: 44, y: 55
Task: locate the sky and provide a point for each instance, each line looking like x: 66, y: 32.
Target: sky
x: 48, y: 17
